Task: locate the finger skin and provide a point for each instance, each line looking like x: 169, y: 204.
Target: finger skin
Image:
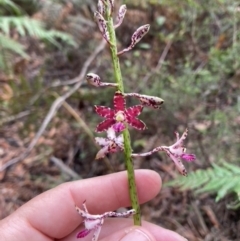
x: 116, y: 228
x: 53, y: 214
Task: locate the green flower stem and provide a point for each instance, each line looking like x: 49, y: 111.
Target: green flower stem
x: 126, y: 135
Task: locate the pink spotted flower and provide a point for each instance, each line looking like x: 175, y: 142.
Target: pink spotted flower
x: 120, y: 115
x: 177, y: 152
x: 110, y: 144
x: 94, y: 222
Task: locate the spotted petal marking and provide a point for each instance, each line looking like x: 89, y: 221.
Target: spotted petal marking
x: 83, y: 233
x: 103, y: 126
x: 134, y: 110
x: 101, y: 141
x: 104, y: 111
x: 136, y: 123
x: 119, y: 101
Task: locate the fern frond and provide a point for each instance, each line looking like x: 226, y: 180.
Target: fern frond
x: 10, y: 4
x: 25, y: 25
x: 221, y: 180
x: 12, y: 45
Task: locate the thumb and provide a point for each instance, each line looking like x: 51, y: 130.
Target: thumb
x: 130, y: 234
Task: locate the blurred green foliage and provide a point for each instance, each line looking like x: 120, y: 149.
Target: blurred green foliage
x: 13, y: 19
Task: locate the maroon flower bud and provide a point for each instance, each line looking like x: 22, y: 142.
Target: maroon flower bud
x: 94, y: 79
x: 101, y: 8
x: 148, y: 100
x: 121, y: 14
x: 102, y: 25
x: 136, y: 37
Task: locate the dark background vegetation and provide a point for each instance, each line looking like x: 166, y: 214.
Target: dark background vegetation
x: 190, y: 58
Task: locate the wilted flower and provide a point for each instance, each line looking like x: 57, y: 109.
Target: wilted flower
x: 119, y: 114
x: 176, y: 152
x: 147, y: 100
x: 110, y: 144
x: 94, y: 222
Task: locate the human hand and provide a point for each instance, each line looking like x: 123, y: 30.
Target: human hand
x: 52, y: 216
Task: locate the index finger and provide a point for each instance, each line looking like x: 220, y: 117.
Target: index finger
x: 53, y: 212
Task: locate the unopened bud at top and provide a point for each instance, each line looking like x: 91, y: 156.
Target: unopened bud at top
x: 101, y: 8
x: 136, y: 37
x: 112, y: 5
x: 121, y: 14
x: 139, y: 33
x: 102, y: 25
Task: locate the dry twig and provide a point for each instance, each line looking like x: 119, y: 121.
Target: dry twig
x: 55, y: 106
x: 64, y: 168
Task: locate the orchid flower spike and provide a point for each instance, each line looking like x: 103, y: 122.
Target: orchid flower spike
x: 177, y: 152
x: 94, y: 222
x: 94, y: 79
x: 147, y: 100
x: 136, y: 37
x: 110, y: 144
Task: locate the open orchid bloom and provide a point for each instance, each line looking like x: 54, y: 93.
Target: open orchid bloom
x: 94, y: 222
x: 177, y: 152
x: 147, y: 100
x: 120, y: 114
x: 110, y: 144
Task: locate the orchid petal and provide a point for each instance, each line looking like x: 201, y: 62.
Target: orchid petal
x: 119, y: 101
x: 104, y: 111
x: 136, y: 123
x: 134, y: 110
x: 111, y: 133
x: 119, y: 127
x: 97, y: 231
x: 101, y: 141
x: 119, y: 141
x: 181, y: 168
x: 180, y: 141
x: 83, y: 233
x: 106, y: 124
x: 102, y: 153
x: 188, y: 157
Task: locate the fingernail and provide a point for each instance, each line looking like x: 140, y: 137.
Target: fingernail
x: 135, y: 234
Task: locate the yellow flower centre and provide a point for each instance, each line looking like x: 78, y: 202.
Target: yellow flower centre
x: 120, y: 117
